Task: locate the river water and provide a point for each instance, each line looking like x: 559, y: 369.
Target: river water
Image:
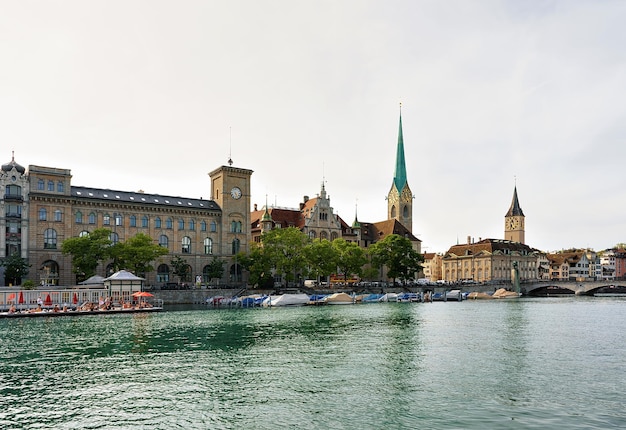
x: 521, y: 364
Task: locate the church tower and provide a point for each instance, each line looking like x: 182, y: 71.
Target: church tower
x: 400, y: 197
x: 514, y: 221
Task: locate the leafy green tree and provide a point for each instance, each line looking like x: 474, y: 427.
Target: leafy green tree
x: 137, y: 253
x: 88, y: 251
x: 350, y: 257
x: 321, y: 258
x: 285, y: 248
x: 15, y: 268
x: 397, y: 254
x: 181, y: 268
x: 259, y: 266
x: 215, y: 269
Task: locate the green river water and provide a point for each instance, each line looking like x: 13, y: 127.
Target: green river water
x: 555, y: 363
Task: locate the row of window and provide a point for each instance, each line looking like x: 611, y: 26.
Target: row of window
x: 50, y: 242
x: 118, y: 220
x: 41, y: 185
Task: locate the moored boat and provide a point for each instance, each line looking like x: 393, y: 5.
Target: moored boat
x: 339, y: 299
x: 288, y: 299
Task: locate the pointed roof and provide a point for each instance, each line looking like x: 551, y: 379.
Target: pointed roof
x: 399, y: 176
x: 515, y: 209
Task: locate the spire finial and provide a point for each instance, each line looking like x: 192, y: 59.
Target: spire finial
x: 230, y: 146
x: 12, y: 155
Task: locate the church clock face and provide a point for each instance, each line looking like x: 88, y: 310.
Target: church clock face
x: 235, y: 193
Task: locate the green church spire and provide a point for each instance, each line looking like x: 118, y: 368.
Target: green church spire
x: 399, y: 176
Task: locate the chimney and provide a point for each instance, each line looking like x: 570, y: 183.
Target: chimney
x: 255, y: 207
x: 469, y: 240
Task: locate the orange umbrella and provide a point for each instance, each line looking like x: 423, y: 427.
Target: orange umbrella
x: 11, y: 297
x: 142, y: 294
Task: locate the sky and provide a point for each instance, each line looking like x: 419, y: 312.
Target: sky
x: 153, y: 95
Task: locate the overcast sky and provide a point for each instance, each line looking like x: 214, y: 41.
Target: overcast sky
x: 153, y: 95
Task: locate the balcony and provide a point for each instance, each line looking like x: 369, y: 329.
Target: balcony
x: 13, y: 215
x: 13, y: 197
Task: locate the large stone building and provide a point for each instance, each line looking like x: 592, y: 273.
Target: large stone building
x: 494, y: 259
x: 40, y: 209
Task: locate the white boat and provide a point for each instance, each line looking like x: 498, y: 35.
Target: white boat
x: 389, y: 297
x: 287, y: 300
x: 339, y: 299
x: 501, y: 293
x: 453, y: 295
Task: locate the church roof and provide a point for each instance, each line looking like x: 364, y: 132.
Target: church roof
x: 515, y: 209
x: 12, y: 164
x: 399, y: 176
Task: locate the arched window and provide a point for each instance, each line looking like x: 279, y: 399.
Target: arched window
x: 58, y: 215
x: 50, y: 239
x: 181, y: 224
x: 235, y: 227
x: 163, y: 273
x: 186, y: 245
x: 59, y: 187
x: 157, y: 222
x: 323, y: 235
x: 312, y: 234
x: 208, y: 246
x: 169, y: 223
x: 405, y: 212
x: 106, y: 219
x: 163, y: 241
x: 144, y: 221
x: 192, y: 225
x: 213, y: 226
x: 43, y: 214
x: 114, y: 238
x: 133, y: 220
x: 79, y: 217
x: 203, y: 226
x: 393, y: 212
x: 118, y: 219
x: 50, y: 185
x: 83, y: 233
x: 333, y: 236
x: 206, y: 274
x: 92, y: 218
x: 40, y: 185
x: 235, y: 246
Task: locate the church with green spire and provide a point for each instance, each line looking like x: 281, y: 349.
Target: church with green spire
x: 400, y: 197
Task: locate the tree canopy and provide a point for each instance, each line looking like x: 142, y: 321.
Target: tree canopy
x: 397, y: 254
x: 15, y: 268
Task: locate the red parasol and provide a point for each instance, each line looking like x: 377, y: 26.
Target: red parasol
x: 20, y: 299
x: 11, y: 297
x: 48, y: 301
x: 142, y: 294
x: 75, y: 299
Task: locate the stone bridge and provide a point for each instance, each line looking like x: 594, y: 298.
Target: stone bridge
x: 562, y: 288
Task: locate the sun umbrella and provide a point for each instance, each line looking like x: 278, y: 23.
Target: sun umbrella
x: 11, y: 297
x: 142, y: 294
x: 48, y: 301
x: 75, y: 299
x: 20, y: 299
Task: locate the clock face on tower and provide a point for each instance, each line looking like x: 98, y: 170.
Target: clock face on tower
x: 235, y: 193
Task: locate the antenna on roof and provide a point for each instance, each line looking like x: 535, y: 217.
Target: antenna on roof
x: 230, y: 144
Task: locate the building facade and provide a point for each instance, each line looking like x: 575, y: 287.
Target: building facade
x: 41, y: 209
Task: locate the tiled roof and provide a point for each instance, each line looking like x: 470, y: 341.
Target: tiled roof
x: 142, y: 198
x: 490, y: 245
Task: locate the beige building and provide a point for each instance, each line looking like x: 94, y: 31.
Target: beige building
x: 40, y: 209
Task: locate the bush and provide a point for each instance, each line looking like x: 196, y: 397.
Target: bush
x: 28, y: 285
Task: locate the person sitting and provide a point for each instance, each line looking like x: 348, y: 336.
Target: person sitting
x: 56, y: 308
x: 12, y: 309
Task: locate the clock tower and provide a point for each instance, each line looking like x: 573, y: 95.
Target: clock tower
x: 514, y: 221
x: 400, y: 197
x: 230, y: 189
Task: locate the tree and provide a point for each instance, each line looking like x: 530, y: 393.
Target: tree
x: 215, y: 269
x: 397, y: 254
x: 285, y: 248
x: 136, y: 254
x: 15, y: 268
x: 259, y: 266
x: 350, y: 258
x: 321, y: 258
x: 88, y: 251
x: 181, y: 268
